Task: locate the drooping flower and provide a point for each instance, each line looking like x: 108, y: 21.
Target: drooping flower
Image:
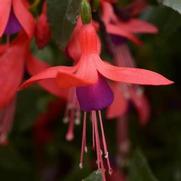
x: 88, y: 76
x: 14, y: 17
x: 42, y: 29
x: 126, y: 29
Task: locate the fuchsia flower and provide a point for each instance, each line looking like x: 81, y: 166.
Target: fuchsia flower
x: 88, y: 76
x: 14, y: 17
x: 126, y: 29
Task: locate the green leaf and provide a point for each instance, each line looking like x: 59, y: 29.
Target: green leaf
x: 174, y: 4
x: 62, y: 16
x: 167, y: 21
x: 27, y: 109
x: 10, y: 159
x: 139, y: 169
x: 94, y: 176
x: 12, y: 165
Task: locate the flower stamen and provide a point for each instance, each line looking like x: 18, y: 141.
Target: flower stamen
x: 72, y: 115
x: 100, y: 163
x: 84, y: 146
x: 106, y: 154
x: 70, y: 131
x: 96, y: 143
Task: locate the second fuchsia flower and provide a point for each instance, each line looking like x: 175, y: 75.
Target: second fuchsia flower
x: 126, y: 29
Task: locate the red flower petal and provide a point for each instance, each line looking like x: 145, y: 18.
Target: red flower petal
x: 119, y: 106
x: 3, y: 48
x: 67, y: 80
x: 138, y: 26
x: 85, y: 74
x: 36, y: 66
x: 24, y: 17
x: 118, y: 30
x: 122, y: 56
x: 74, y: 46
x: 11, y: 70
x: 5, y: 8
x: 122, y: 28
x: 84, y: 71
x: 87, y: 69
x: 108, y: 13
x: 131, y: 75
x: 49, y: 73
